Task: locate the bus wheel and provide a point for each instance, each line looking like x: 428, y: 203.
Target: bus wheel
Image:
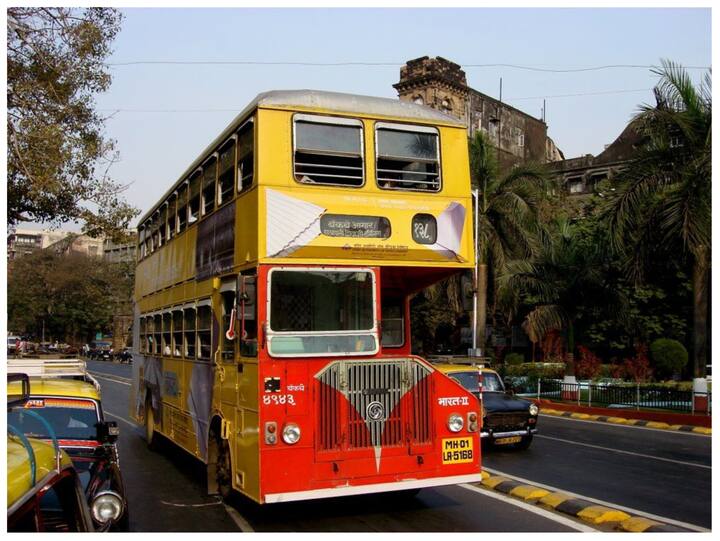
x: 223, y: 467
x: 151, y: 437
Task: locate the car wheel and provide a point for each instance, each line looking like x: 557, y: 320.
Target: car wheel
x: 525, y: 442
x: 151, y: 436
x: 223, y: 466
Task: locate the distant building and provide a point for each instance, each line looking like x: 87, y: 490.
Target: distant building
x: 441, y: 84
x: 580, y: 176
x: 24, y: 241
x: 117, y: 253
x: 74, y: 243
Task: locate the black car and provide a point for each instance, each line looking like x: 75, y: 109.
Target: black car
x: 507, y: 419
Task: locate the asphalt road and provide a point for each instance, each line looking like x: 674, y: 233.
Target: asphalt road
x: 661, y: 472
x: 166, y: 493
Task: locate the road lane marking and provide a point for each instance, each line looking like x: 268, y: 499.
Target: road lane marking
x: 603, y: 423
x: 694, y: 464
x: 630, y: 510
x: 115, y: 379
x: 106, y: 412
x: 243, y: 524
x: 577, y: 526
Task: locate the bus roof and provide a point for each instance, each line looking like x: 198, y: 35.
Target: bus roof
x: 317, y: 99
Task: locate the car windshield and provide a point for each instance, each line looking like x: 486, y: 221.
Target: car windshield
x: 69, y: 419
x: 470, y: 380
x: 491, y: 382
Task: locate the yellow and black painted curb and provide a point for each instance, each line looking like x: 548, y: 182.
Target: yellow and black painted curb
x: 575, y: 507
x: 629, y: 422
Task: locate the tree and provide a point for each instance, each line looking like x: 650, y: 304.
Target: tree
x: 564, y: 286
x: 58, y: 159
x: 509, y: 207
x: 663, y: 197
x: 70, y: 296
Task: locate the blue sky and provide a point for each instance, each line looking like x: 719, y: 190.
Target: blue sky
x: 156, y: 146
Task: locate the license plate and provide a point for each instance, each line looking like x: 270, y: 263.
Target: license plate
x: 457, y: 450
x: 506, y: 441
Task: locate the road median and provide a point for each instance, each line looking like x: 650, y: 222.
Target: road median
x: 587, y: 511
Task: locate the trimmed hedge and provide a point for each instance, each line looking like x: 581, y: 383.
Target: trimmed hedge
x: 514, y: 359
x: 669, y: 356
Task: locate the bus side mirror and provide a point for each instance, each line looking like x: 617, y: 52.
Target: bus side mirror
x: 107, y: 431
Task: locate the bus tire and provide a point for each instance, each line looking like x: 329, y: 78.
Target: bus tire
x: 222, y: 470
x: 151, y: 435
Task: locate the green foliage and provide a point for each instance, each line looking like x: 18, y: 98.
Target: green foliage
x: 73, y: 295
x: 669, y: 357
x: 535, y: 371
x: 57, y: 156
x: 513, y: 359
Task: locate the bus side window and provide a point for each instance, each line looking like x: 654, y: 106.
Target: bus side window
x: 157, y: 334
x: 247, y: 314
x: 393, y: 322
x: 189, y: 332
x: 194, y: 202
x: 172, y: 210
x: 177, y: 332
x: 182, y: 208
x: 226, y: 172
x: 204, y: 335
x: 208, y: 183
x: 162, y: 225
x: 143, y: 334
x: 166, y: 336
x: 245, y: 156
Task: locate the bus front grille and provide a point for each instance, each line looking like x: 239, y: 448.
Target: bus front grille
x: 363, y: 404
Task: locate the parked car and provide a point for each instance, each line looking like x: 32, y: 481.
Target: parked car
x: 101, y: 351
x: 44, y: 493
x: 507, y: 419
x: 68, y: 399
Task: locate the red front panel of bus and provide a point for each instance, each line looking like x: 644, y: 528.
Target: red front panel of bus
x: 363, y: 420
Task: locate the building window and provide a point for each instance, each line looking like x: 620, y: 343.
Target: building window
x: 246, y: 155
x: 520, y: 139
x: 493, y: 128
x: 419, y: 100
x: 328, y: 150
x: 576, y: 185
x: 408, y: 157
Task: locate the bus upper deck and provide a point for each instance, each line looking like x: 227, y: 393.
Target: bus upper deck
x: 316, y: 177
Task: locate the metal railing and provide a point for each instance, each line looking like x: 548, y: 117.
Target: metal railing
x: 636, y: 396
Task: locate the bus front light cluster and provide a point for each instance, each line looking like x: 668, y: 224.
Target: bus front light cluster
x: 455, y: 422
x: 271, y: 433
x: 472, y: 421
x: 291, y: 433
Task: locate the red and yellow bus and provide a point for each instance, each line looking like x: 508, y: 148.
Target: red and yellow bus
x: 272, y: 328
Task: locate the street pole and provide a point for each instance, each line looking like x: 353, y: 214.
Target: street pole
x: 474, y: 352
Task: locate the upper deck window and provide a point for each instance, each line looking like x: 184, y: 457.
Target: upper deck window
x: 328, y: 150
x: 208, y: 190
x: 245, y: 156
x: 194, y: 198
x: 408, y: 157
x: 182, y: 208
x: 226, y: 172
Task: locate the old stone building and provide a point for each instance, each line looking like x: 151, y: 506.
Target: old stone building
x: 441, y: 84
x: 580, y: 176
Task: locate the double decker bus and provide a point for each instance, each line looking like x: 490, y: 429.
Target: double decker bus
x: 272, y: 323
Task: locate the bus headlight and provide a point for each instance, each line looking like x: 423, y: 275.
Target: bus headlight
x: 291, y: 433
x: 534, y: 410
x: 107, y: 506
x: 455, y: 422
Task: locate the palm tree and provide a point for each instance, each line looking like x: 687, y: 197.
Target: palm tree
x: 663, y: 197
x: 509, y: 207
x: 565, y: 282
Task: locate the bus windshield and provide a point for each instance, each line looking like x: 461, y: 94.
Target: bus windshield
x: 315, y: 312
